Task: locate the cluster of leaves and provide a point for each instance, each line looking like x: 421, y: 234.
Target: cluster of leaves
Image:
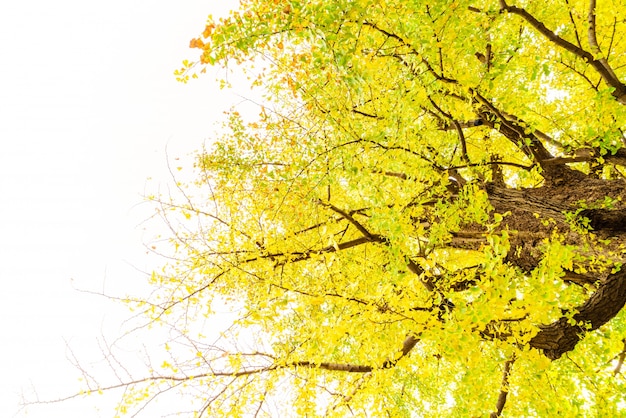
x: 350, y: 227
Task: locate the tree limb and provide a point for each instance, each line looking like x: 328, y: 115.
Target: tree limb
x: 457, y: 126
x: 562, y: 335
x: 593, y: 40
x: 600, y: 65
x: 505, y: 389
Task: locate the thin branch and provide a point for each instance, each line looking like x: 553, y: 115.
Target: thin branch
x: 439, y: 48
x: 402, y: 176
x: 345, y: 399
x: 403, y: 42
x: 405, y: 149
x: 354, y: 222
x: 367, y: 115
x: 504, y: 391
x: 263, y: 397
x: 581, y: 74
x: 468, y: 124
x: 571, y: 18
x: 458, y: 128
x: 494, y: 163
x: 305, y: 255
x: 331, y: 220
x: 459, y: 132
x: 407, y: 345
x: 413, y: 267
x: 610, y: 48
x: 620, y: 360
x: 338, y: 367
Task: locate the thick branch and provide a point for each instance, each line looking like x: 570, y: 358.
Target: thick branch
x: 593, y: 40
x: 591, y: 31
x: 493, y: 164
x: 562, y: 335
x: 335, y: 367
x: 514, y: 129
x: 581, y: 155
x: 600, y: 65
x: 529, y: 141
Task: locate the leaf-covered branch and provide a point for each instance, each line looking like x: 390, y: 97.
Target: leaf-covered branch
x: 599, y: 64
x: 367, y: 260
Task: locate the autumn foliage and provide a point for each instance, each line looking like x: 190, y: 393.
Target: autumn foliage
x: 426, y: 218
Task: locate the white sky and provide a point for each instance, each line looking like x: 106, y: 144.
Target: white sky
x: 88, y: 103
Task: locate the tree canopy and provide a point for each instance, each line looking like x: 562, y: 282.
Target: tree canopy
x: 425, y: 219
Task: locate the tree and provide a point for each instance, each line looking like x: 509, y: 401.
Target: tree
x: 426, y: 218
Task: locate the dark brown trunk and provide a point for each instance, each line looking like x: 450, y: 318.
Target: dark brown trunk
x: 533, y: 215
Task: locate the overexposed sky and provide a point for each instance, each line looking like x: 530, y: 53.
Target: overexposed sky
x: 88, y: 104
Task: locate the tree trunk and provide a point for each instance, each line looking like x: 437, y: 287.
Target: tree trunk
x: 527, y: 212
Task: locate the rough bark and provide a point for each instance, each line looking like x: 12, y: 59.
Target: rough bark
x: 527, y: 209
x: 562, y: 335
x: 526, y: 214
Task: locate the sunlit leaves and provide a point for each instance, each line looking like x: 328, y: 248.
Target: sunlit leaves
x: 351, y: 227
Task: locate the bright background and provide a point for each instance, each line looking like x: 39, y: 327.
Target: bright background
x: 88, y: 106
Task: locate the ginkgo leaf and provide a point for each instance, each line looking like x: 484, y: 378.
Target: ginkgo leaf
x: 426, y: 218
